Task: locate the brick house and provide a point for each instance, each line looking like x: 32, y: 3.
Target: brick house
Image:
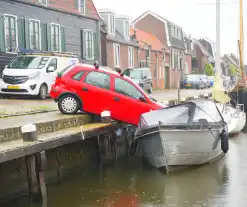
x: 171, y: 35
x: 118, y: 48
x: 226, y: 61
x: 154, y: 54
x: 209, y: 46
x: 202, y: 57
x: 49, y: 25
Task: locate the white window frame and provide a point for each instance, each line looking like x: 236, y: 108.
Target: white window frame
x: 111, y: 28
x: 86, y: 35
x: 16, y: 35
x: 45, y: 4
x: 173, y: 59
x: 60, y: 43
x: 35, y: 20
x: 116, y: 56
x: 130, y: 57
x: 164, y: 55
x: 79, y: 7
x: 126, y: 29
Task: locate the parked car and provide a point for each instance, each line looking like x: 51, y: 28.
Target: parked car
x: 193, y: 81
x: 94, y: 89
x: 141, y: 76
x: 205, y: 81
x: 211, y: 79
x: 32, y: 74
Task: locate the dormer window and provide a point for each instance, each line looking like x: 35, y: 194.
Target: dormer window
x: 111, y: 26
x: 126, y: 29
x: 43, y: 2
x: 82, y: 6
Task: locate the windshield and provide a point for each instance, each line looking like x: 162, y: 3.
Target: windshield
x: 28, y: 62
x: 191, y: 78
x: 135, y: 74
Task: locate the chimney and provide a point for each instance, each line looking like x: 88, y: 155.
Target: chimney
x: 134, y: 35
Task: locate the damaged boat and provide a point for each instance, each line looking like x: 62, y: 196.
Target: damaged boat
x: 192, y: 133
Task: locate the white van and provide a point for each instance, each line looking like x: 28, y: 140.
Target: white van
x: 33, y: 74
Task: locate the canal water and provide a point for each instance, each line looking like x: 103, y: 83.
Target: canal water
x: 130, y: 183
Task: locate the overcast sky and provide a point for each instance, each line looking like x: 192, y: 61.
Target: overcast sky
x: 197, y: 17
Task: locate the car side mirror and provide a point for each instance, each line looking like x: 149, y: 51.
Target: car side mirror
x: 6, y: 66
x: 50, y: 69
x: 142, y: 99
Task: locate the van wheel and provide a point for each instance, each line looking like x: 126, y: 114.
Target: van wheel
x: 43, y: 90
x: 68, y: 104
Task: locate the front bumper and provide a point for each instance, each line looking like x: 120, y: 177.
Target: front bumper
x: 30, y: 87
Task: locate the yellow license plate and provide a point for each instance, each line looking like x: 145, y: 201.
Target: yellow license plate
x: 13, y: 87
x: 188, y: 85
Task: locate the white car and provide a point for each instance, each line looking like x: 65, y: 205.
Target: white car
x: 32, y: 74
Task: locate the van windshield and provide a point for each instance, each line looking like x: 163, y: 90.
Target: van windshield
x: 28, y: 62
x: 135, y: 74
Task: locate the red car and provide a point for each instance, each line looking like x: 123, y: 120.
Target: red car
x: 94, y: 89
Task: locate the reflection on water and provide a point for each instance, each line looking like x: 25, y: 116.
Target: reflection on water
x: 131, y: 184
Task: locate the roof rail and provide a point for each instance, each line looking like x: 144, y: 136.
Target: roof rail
x: 36, y: 52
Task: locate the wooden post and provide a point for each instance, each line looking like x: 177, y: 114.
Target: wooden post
x: 35, y: 165
x: 178, y: 92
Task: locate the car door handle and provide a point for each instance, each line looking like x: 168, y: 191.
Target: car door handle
x: 85, y: 89
x: 116, y: 99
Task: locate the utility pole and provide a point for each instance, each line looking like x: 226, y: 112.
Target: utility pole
x: 217, y: 62
x: 241, y: 41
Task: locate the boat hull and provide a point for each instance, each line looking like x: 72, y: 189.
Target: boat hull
x: 166, y: 148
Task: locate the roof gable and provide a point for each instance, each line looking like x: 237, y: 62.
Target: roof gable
x: 149, y: 39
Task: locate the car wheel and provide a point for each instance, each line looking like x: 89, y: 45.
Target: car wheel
x: 150, y: 90
x: 68, y: 104
x: 43, y: 90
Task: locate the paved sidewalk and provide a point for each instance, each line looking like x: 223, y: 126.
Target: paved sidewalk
x: 21, y: 106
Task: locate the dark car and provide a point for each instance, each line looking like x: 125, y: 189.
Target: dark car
x: 193, y: 81
x: 142, y: 77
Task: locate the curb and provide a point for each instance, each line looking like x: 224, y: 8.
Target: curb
x: 173, y: 102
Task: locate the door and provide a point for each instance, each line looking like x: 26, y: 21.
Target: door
x: 167, y: 78
x: 94, y: 90
x: 50, y: 77
x: 127, y: 106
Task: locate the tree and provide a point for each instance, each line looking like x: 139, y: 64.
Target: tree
x: 234, y: 70
x: 209, y: 70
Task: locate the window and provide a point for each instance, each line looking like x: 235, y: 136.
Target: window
x: 172, y: 31
x: 126, y: 29
x: 89, y: 44
x: 127, y: 89
x: 144, y: 64
x: 131, y: 57
x: 173, y: 59
x: 53, y: 63
x: 164, y: 55
x: 10, y: 27
x: 34, y: 28
x: 43, y: 2
x: 98, y: 79
x: 176, y: 32
x: 116, y: 48
x: 28, y: 62
x: 78, y: 75
x: 55, y: 37
x: 111, y: 24
x: 82, y: 6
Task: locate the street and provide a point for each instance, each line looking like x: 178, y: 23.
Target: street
x: 18, y: 105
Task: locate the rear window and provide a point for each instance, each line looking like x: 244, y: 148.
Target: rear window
x: 63, y: 71
x: 191, y: 77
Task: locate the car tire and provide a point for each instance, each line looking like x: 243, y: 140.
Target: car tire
x: 65, y: 108
x: 150, y: 90
x: 43, y: 91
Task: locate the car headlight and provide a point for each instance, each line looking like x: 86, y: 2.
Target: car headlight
x: 34, y: 75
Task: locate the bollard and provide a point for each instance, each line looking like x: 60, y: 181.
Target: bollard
x: 106, y: 117
x: 182, y: 100
x: 29, y: 133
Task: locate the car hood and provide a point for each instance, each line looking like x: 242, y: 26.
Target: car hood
x: 19, y: 72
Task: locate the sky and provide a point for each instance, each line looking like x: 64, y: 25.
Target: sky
x: 197, y: 17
